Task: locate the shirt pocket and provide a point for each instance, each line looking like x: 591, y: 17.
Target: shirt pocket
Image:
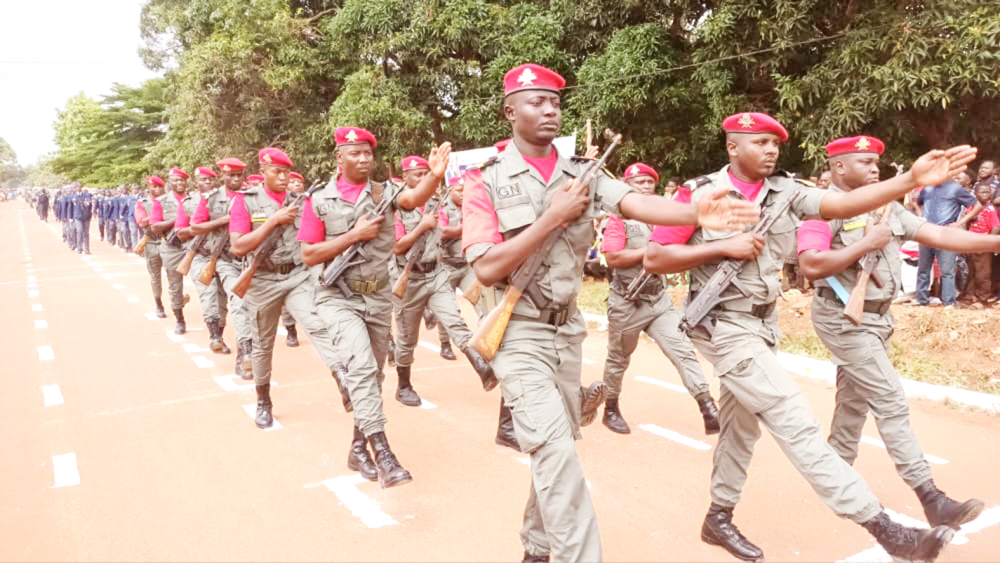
x: 335, y: 222
x: 513, y: 208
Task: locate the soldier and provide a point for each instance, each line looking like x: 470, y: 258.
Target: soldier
x: 133, y: 227
x: 829, y: 252
x: 296, y: 185
x: 359, y: 310
x: 454, y: 264
x: 255, y: 181
x: 653, y: 311
x: 163, y: 219
x: 154, y: 263
x: 740, y: 335
x: 125, y: 241
x: 511, y: 206
x: 428, y: 288
x: 211, y: 295
x: 282, y: 280
x: 43, y: 205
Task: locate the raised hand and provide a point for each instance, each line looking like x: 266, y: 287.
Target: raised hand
x: 720, y: 212
x: 938, y: 166
x: 438, y: 159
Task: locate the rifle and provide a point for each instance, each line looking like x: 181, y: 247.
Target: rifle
x: 710, y: 296
x: 855, y: 308
x: 185, y: 265
x: 492, y: 328
x: 140, y: 247
x: 333, y: 271
x: 632, y: 293
x: 209, y: 272
x: 474, y: 292
x: 416, y: 252
x: 267, y: 247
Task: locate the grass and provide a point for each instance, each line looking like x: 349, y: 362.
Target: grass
x: 593, y: 297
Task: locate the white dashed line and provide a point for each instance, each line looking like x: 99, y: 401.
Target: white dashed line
x: 32, y: 285
x: 133, y: 299
x: 251, y: 411
x: 364, y: 508
x: 880, y: 444
x: 664, y: 384
x: 432, y: 347
x: 98, y: 270
x: 674, y: 436
x: 202, y: 362
x: 425, y: 404
x: 192, y: 348
x: 36, y: 308
x: 177, y: 338
x: 52, y: 395
x: 107, y: 276
x: 234, y: 383
x: 66, y: 472
x: 41, y: 324
x: 33, y: 293
x: 118, y: 286
x: 45, y: 354
x: 32, y: 279
x: 152, y: 316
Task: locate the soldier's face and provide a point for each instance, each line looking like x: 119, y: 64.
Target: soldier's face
x: 986, y: 169
x: 155, y: 191
x: 412, y: 177
x: 645, y: 184
x: 536, y: 115
x: 275, y: 177
x: 824, y: 180
x: 296, y: 186
x: 233, y: 179
x: 356, y: 161
x: 458, y: 193
x: 178, y: 183
x: 755, y: 154
x: 205, y: 183
x: 857, y: 170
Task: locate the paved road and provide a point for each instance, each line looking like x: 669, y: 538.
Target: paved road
x: 123, y: 442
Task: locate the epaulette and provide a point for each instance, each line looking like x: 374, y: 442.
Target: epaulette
x: 490, y: 162
x: 695, y: 183
x: 792, y: 177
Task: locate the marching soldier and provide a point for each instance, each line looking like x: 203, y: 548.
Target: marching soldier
x: 166, y: 210
x: 652, y: 311
x: 358, y: 310
x: 829, y: 254
x: 428, y: 288
x: 282, y: 279
x: 511, y: 207
x: 296, y: 185
x: 154, y: 263
x: 740, y: 336
x: 455, y: 266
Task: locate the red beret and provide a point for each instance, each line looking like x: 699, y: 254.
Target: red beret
x: 156, y: 181
x: 274, y: 157
x: 502, y: 145
x: 178, y: 172
x: 255, y: 178
x: 848, y: 145
x: 532, y: 77
x: 296, y: 175
x: 415, y: 163
x: 454, y: 180
x: 231, y: 164
x: 754, y: 122
x: 205, y: 171
x: 640, y: 169
x: 354, y: 136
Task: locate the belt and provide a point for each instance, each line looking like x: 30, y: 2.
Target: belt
x: 555, y: 316
x: 423, y: 267
x: 285, y: 268
x: 877, y: 307
x: 762, y: 311
x: 368, y: 287
x: 651, y: 288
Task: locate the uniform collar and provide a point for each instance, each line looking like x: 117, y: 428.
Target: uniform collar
x: 517, y: 165
x: 771, y: 184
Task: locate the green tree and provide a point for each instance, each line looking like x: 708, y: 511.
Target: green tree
x: 11, y: 173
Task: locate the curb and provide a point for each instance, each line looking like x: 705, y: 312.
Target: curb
x: 825, y: 371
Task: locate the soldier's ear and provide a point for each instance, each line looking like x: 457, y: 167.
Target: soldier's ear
x: 508, y: 112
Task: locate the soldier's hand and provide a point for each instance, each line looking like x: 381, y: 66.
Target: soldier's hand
x: 568, y: 204
x: 720, y: 212
x: 938, y: 166
x: 367, y: 228
x: 286, y: 215
x: 438, y: 159
x: 745, y: 246
x: 878, y: 236
x: 428, y: 221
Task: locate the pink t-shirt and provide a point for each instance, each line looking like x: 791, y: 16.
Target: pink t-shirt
x: 814, y: 235
x: 545, y: 165
x: 201, y: 214
x: 239, y: 217
x: 156, y: 214
x: 182, y: 220
x: 311, y: 229
x: 479, y: 223
x: 680, y: 234
x: 140, y: 213
x: 614, y: 235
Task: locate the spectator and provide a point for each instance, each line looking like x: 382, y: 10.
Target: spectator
x: 941, y: 205
x: 984, y: 220
x: 964, y: 180
x: 824, y: 180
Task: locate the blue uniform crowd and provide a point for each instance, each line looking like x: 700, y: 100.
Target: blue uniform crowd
x: 75, y: 208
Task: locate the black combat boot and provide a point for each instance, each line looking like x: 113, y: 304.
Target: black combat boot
x: 359, y: 459
x: 245, y: 359
x: 404, y: 391
x: 613, y: 418
x: 339, y: 373
x: 908, y: 544
x: 505, y: 428
x: 482, y: 367
x: 222, y: 330
x: 214, y: 336
x: 181, y: 328
x: 390, y: 472
x: 446, y: 351
x: 529, y: 558
x: 590, y: 399
x: 160, y: 313
x: 292, y: 340
x: 264, y: 418
x: 718, y: 529
x: 943, y: 511
x: 392, y: 351
x: 710, y: 415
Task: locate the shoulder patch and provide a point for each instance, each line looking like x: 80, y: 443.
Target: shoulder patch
x: 698, y: 182
x: 492, y: 160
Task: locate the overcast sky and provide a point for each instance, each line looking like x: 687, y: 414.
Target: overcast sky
x: 53, y: 50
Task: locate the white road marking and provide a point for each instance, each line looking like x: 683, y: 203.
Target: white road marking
x: 133, y: 299
x: 152, y: 316
x: 45, y: 354
x: 33, y: 293
x: 107, y: 276
x: 588, y: 361
x: 118, y: 286
x: 98, y: 269
x: 202, y: 362
x: 880, y: 444
x: 364, y: 508
x: 32, y: 285
x: 175, y: 337
x: 192, y: 348
x: 664, y: 384
x: 674, y: 436
x: 282, y: 331
x: 36, y: 308
x: 988, y: 518
x: 41, y: 324
x: 432, y: 347
x: 32, y: 279
x: 52, y: 395
x: 67, y: 474
x: 233, y: 382
x: 425, y: 404
x: 251, y: 411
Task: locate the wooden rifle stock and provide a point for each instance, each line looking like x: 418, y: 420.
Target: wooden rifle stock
x: 855, y: 308
x: 403, y: 281
x: 243, y: 282
x: 140, y: 247
x: 185, y: 266
x: 473, y: 293
x: 209, y: 272
x: 491, y: 330
x: 416, y: 252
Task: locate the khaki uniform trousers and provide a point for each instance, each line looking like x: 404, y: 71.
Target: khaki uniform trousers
x: 756, y: 389
x: 660, y: 320
x: 539, y: 368
x: 228, y: 271
x: 175, y: 281
x: 211, y: 296
x: 154, y: 265
x: 360, y: 328
x: 268, y: 292
x: 866, y: 379
x: 455, y: 274
x: 432, y: 291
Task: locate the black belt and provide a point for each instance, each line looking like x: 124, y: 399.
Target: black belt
x: 652, y: 287
x: 278, y: 268
x: 423, y: 267
x: 877, y: 307
x: 555, y: 316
